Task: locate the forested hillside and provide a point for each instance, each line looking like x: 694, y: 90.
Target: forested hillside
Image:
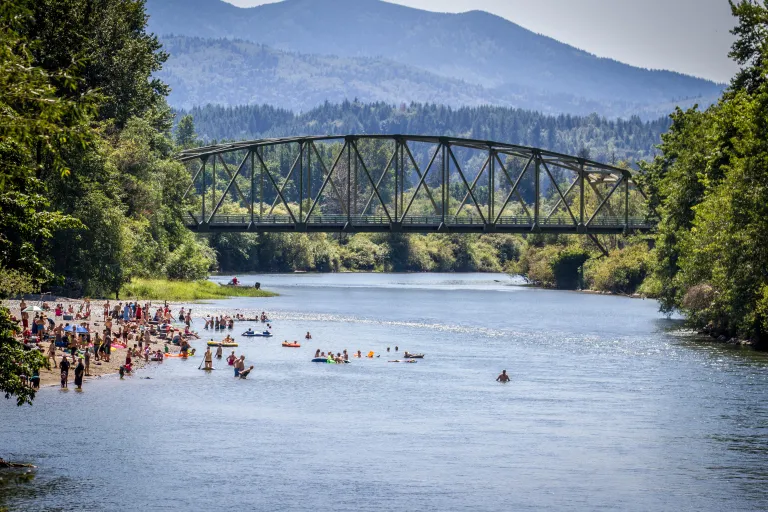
x: 604, y: 140
x: 494, y: 54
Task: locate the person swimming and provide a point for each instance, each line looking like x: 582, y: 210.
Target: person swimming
x: 503, y: 377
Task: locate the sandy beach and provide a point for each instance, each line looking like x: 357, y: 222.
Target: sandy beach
x: 52, y: 376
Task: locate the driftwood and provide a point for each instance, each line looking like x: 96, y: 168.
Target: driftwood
x: 7, y: 464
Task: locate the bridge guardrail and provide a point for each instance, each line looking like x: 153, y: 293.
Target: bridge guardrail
x: 417, y: 220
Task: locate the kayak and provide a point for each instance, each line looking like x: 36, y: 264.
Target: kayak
x: 257, y: 334
x: 295, y: 345
x: 415, y: 356
x: 221, y: 344
x: 404, y: 361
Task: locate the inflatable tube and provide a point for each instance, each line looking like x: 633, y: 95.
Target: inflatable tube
x: 295, y: 345
x: 322, y: 360
x: 220, y: 344
x: 178, y: 355
x: 257, y: 334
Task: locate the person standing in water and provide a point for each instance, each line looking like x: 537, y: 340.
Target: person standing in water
x: 503, y: 377
x: 209, y: 359
x: 239, y: 366
x: 79, y: 372
x: 219, y: 352
x: 64, y: 367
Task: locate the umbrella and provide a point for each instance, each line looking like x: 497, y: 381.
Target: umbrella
x: 33, y: 309
x: 80, y: 330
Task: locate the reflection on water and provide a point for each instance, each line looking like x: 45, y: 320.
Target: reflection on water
x: 609, y: 407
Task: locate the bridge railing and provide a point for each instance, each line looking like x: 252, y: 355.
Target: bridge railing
x: 415, y: 220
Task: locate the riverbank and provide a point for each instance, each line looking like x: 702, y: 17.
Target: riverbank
x: 52, y: 376
x: 187, y: 291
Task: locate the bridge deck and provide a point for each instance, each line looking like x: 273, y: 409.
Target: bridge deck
x: 412, y: 224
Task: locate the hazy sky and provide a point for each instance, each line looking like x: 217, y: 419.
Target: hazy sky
x: 690, y: 36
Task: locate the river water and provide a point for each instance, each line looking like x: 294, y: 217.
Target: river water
x: 610, y: 408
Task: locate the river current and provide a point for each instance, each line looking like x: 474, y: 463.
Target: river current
x: 610, y: 407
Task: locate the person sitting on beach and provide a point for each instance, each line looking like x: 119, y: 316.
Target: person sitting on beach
x: 308, y: 336
x: 244, y: 373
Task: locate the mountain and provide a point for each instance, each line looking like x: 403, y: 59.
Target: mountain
x: 233, y: 72
x: 502, y: 59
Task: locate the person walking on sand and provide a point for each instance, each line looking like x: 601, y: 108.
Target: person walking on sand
x: 79, y: 372
x: 209, y: 359
x: 503, y: 377
x: 52, y: 352
x: 88, y: 362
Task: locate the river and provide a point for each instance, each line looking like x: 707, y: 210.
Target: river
x: 610, y: 407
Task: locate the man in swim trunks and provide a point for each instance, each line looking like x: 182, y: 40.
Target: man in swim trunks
x: 209, y: 359
x: 503, y: 377
x: 239, y: 366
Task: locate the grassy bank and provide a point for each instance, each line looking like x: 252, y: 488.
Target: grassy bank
x: 162, y: 289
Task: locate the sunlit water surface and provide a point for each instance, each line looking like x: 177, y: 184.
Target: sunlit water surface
x: 610, y: 408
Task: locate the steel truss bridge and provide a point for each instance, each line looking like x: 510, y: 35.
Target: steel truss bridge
x: 403, y: 183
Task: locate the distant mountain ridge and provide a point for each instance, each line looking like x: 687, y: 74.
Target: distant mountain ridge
x: 235, y: 72
x: 478, y: 48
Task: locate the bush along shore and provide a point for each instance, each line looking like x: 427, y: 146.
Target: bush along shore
x: 163, y: 289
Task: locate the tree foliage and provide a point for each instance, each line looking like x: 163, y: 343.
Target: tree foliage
x: 710, y: 187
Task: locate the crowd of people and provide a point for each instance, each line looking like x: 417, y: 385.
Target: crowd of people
x: 75, y: 339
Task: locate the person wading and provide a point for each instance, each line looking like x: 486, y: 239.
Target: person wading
x: 79, y: 372
x: 209, y: 359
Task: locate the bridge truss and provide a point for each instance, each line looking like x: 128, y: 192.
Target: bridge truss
x: 400, y: 183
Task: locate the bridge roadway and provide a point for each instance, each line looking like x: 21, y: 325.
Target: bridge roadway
x: 411, y: 224
x: 316, y: 185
